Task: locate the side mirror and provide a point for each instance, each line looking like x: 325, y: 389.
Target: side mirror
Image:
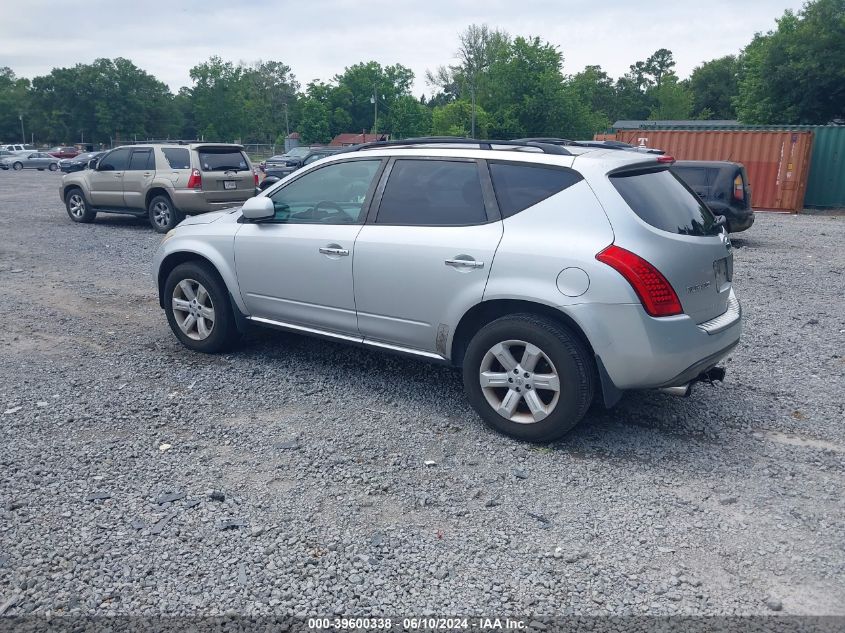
x: 92, y: 164
x: 258, y: 208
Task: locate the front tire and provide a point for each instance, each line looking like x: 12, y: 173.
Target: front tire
x: 198, y: 308
x: 77, y: 208
x: 53, y: 166
x: 163, y: 214
x: 17, y: 166
x: 528, y: 377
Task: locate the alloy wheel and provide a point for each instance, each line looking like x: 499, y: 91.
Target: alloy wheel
x: 193, y: 309
x: 76, y: 205
x: 524, y: 391
x: 161, y: 214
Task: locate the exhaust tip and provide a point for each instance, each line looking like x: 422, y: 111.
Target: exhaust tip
x: 681, y: 391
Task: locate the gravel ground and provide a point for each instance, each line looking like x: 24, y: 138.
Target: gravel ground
x: 296, y: 482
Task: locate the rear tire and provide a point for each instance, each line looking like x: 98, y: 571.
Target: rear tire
x: 78, y: 208
x: 198, y: 308
x: 544, y: 386
x: 163, y: 215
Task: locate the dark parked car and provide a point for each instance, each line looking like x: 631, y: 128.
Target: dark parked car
x: 723, y: 186
x: 64, y: 152
x: 78, y: 163
x: 278, y: 167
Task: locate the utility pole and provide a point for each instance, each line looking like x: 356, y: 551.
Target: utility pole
x: 287, y: 124
x: 375, y: 109
x: 23, y: 136
x: 472, y: 92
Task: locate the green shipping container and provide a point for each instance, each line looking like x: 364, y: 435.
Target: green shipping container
x: 826, y: 180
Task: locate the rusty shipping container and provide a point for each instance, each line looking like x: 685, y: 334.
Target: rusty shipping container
x: 777, y: 161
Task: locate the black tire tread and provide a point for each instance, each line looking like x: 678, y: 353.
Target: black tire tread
x: 573, y: 346
x: 225, y: 333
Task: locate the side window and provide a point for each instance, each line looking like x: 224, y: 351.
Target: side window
x: 334, y: 194
x: 521, y: 186
x: 141, y: 159
x: 432, y: 193
x: 314, y: 158
x: 114, y: 161
x: 177, y: 157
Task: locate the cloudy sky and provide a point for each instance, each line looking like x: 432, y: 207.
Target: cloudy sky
x: 318, y: 38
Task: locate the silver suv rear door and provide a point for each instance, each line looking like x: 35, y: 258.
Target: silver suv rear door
x: 425, y: 254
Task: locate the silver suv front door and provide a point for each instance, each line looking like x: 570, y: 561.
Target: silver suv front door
x: 425, y: 258
x: 297, y: 268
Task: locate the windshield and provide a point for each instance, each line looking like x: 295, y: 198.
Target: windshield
x: 298, y: 152
x: 664, y: 201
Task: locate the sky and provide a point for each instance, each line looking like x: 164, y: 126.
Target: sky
x: 319, y: 38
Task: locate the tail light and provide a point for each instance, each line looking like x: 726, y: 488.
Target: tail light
x: 655, y: 292
x: 665, y: 158
x: 255, y: 175
x: 739, y: 189
x: 195, y: 181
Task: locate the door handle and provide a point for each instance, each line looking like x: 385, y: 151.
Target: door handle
x: 329, y: 250
x: 464, y: 263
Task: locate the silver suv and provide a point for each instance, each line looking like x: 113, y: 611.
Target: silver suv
x: 164, y: 182
x: 553, y: 276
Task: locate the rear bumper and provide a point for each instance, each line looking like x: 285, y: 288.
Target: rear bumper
x: 196, y: 201
x: 741, y: 222
x: 643, y: 352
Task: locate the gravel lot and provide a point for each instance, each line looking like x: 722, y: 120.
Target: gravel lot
x: 295, y: 481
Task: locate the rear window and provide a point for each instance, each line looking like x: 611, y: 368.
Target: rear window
x: 222, y: 160
x: 695, y: 176
x: 664, y: 201
x: 177, y: 157
x: 521, y: 186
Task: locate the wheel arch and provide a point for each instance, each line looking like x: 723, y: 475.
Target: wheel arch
x: 157, y: 190
x: 487, y: 311
x: 483, y: 313
x: 172, y: 260
x: 67, y: 188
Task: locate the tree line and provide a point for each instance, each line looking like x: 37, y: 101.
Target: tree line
x: 500, y: 87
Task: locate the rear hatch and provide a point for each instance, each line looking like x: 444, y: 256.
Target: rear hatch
x: 688, y: 247
x: 227, y: 175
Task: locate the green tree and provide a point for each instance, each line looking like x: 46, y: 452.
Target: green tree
x: 713, y: 87
x: 106, y: 100
x: 796, y: 73
x: 14, y: 102
x: 455, y: 119
x: 671, y: 100
x: 408, y: 118
x: 314, y: 121
x: 218, y: 100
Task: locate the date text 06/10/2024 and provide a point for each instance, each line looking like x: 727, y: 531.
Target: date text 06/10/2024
x: 418, y: 624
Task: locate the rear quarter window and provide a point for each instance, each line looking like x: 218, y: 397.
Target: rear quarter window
x: 662, y: 199
x: 177, y: 157
x: 518, y: 187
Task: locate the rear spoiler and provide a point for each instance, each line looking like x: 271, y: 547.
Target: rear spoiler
x: 658, y: 163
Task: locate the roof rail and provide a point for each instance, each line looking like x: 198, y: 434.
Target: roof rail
x: 547, y: 148
x: 610, y: 144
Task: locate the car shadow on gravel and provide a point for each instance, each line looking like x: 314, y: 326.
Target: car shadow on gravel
x: 641, y: 418
x: 123, y: 221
